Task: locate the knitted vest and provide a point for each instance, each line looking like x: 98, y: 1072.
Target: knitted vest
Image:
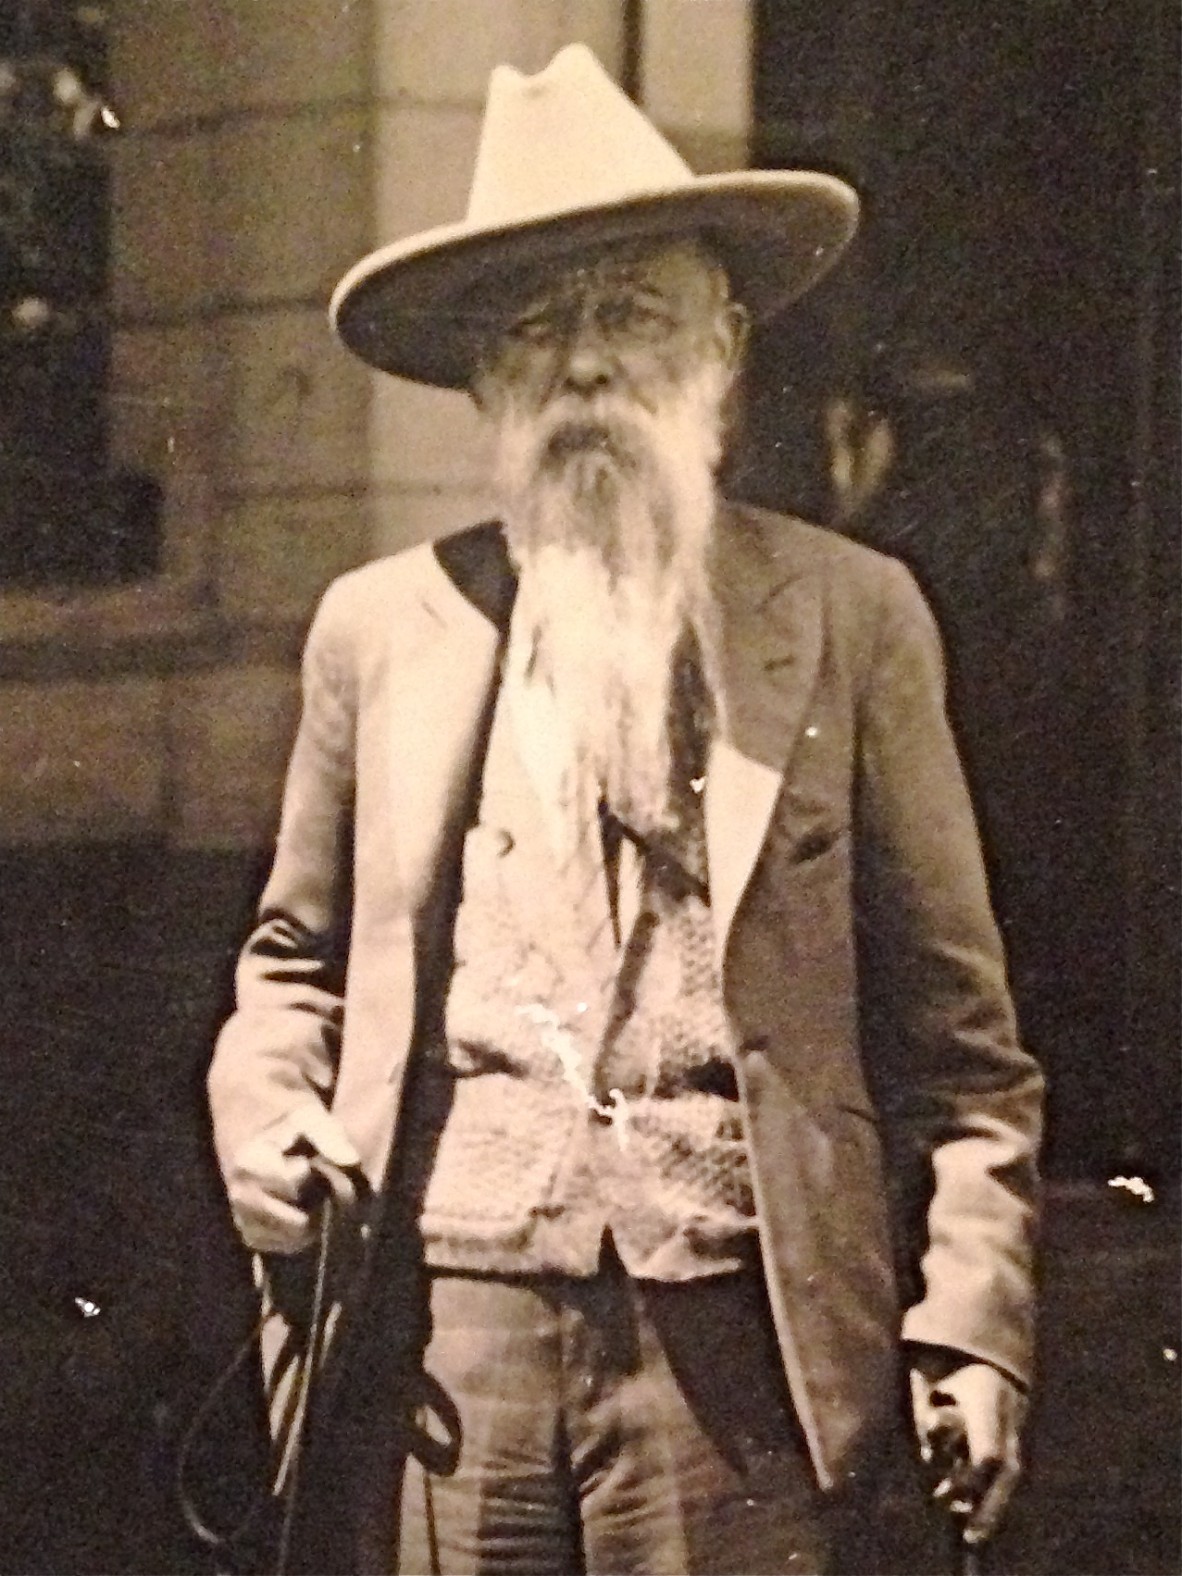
x: 581, y: 1100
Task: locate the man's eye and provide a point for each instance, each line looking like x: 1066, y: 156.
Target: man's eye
x: 630, y: 317
x: 536, y: 329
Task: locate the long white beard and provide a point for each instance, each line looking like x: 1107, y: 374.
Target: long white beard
x: 609, y: 512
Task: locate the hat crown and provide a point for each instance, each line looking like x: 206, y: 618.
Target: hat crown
x: 567, y: 162
x: 564, y: 139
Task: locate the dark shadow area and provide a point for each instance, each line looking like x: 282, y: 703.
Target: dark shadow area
x: 989, y: 390
x: 123, y: 1292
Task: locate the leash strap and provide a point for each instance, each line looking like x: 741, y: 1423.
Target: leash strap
x: 199, y: 1524
x: 304, y: 1393
x: 201, y: 1528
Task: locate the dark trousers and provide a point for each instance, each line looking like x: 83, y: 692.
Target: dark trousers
x: 587, y: 1427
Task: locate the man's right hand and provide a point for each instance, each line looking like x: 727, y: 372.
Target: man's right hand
x: 276, y: 1180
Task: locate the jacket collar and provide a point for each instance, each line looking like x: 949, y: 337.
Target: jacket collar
x: 769, y: 616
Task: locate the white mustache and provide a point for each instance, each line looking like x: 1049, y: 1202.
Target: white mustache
x: 609, y: 428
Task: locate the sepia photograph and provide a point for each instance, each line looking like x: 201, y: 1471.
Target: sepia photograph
x: 590, y: 815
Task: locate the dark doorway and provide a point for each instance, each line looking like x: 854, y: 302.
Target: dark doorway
x: 990, y: 391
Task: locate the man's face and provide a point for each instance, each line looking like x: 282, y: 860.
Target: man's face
x: 605, y: 385
x: 625, y: 328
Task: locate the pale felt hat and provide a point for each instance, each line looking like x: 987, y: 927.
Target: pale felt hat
x: 567, y: 162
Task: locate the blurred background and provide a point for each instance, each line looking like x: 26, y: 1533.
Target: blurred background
x: 989, y: 389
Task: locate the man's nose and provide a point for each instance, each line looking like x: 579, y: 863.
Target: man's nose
x: 589, y: 361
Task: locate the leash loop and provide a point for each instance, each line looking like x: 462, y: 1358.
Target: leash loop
x: 199, y: 1524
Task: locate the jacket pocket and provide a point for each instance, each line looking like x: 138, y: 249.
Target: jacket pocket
x: 817, y: 842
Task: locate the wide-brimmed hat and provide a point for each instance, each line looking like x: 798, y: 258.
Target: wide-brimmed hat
x: 566, y: 163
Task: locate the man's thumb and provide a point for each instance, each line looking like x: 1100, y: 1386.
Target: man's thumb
x: 329, y: 1139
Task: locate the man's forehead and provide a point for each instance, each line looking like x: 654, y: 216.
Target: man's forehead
x: 683, y: 265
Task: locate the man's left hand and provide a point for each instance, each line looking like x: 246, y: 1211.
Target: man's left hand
x: 968, y: 1418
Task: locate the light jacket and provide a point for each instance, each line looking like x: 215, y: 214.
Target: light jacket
x: 892, y: 1117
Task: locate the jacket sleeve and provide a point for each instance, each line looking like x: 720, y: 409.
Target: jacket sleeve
x: 962, y: 1100
x: 280, y: 1046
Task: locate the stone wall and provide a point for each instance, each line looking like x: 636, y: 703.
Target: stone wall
x: 267, y: 145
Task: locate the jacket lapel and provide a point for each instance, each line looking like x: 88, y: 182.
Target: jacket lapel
x: 437, y: 715
x: 771, y: 652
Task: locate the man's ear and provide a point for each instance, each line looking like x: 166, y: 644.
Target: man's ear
x: 478, y: 389
x: 733, y: 330
x: 483, y: 387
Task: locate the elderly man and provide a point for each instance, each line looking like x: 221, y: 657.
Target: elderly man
x: 626, y: 976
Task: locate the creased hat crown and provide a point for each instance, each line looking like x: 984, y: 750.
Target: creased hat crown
x: 565, y: 139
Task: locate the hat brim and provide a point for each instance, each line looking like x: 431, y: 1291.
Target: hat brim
x: 409, y: 308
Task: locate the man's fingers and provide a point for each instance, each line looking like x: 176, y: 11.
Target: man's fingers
x: 947, y: 1446
x: 325, y: 1179
x: 993, y: 1413
x: 969, y: 1425
x: 261, y: 1167
x: 287, y: 1179
x: 927, y: 1417
x: 278, y: 1179
x: 323, y: 1131
x: 269, y: 1225
x: 989, y: 1425
x: 984, y: 1519
x: 957, y: 1491
x: 963, y: 1491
